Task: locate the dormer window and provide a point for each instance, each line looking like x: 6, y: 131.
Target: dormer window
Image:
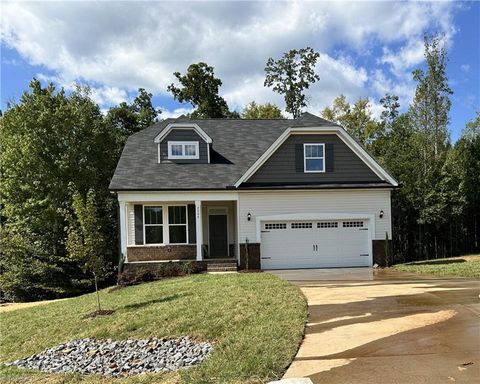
x: 183, y: 150
x: 314, y: 157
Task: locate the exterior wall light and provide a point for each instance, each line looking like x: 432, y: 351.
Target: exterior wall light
x: 249, y: 216
x: 381, y: 214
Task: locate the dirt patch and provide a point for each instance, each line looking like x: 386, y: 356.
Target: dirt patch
x: 7, y: 307
x: 98, y: 312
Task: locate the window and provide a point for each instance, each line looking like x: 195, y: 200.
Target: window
x: 352, y: 224
x: 153, y: 224
x: 177, y: 224
x: 276, y: 226
x: 301, y: 225
x: 314, y: 157
x: 183, y: 150
x: 327, y: 224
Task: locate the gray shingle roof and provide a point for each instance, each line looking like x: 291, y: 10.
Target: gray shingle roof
x: 241, y: 142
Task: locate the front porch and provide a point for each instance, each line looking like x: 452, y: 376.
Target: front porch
x: 159, y: 231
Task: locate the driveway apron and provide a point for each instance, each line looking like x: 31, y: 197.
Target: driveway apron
x: 387, y: 327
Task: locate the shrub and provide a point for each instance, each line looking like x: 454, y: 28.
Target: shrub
x: 157, y: 272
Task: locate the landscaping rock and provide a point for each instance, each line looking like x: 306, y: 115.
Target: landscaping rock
x: 118, y: 358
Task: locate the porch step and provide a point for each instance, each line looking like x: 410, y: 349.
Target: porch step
x: 222, y: 267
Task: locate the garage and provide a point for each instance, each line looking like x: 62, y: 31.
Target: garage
x: 315, y: 244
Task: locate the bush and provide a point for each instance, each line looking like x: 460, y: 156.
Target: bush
x: 160, y: 271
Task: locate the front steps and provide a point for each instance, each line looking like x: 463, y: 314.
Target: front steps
x: 222, y: 266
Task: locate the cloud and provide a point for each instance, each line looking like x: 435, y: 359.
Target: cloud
x: 122, y: 46
x: 166, y: 113
x: 465, y: 68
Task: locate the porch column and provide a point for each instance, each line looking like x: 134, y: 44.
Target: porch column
x: 123, y: 228
x: 199, y: 228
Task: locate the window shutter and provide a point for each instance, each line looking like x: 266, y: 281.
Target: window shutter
x: 138, y: 213
x: 299, y: 158
x: 192, y: 224
x: 329, y: 158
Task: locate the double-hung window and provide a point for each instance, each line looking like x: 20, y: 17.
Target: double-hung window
x: 183, y: 150
x: 177, y: 224
x: 314, y: 157
x: 153, y: 224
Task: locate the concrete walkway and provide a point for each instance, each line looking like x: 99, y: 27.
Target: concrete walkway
x: 382, y: 327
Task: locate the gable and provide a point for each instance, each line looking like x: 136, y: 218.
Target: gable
x: 183, y: 135
x: 283, y: 168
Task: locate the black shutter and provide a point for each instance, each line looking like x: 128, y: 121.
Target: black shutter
x: 138, y: 213
x: 299, y: 158
x: 192, y: 224
x: 329, y: 157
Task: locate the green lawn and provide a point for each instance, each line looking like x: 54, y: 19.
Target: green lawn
x: 465, y: 266
x: 256, y: 322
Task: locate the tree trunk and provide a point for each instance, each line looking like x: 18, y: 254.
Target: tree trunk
x: 96, y: 290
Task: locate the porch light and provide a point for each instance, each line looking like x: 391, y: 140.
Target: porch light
x: 249, y: 216
x: 381, y: 214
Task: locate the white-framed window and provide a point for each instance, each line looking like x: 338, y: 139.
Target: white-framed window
x: 153, y: 224
x: 314, y: 157
x: 301, y: 225
x: 327, y: 224
x: 276, y: 226
x: 183, y: 150
x: 352, y: 224
x: 177, y: 224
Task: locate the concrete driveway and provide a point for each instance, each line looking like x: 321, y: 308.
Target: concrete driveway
x: 386, y: 327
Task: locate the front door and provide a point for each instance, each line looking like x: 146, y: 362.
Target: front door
x: 217, y: 229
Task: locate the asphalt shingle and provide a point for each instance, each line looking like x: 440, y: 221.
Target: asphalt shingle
x: 237, y: 144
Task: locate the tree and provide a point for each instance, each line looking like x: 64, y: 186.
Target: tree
x: 431, y: 104
x: 390, y: 106
x: 357, y: 119
x: 291, y: 75
x: 261, y: 111
x: 128, y: 119
x: 200, y: 88
x: 51, y: 140
x: 429, y: 117
x: 85, y: 242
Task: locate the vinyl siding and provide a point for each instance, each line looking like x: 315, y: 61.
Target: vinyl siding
x: 334, y: 201
x: 130, y: 217
x: 184, y: 135
x: 280, y: 168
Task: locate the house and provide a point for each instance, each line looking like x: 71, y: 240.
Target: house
x: 269, y: 194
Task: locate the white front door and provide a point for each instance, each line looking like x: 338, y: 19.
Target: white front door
x: 315, y: 244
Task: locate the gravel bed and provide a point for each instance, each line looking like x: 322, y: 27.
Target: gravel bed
x: 118, y: 358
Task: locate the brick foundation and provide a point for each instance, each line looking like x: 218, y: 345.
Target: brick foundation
x: 253, y: 256
x: 378, y: 247
x: 161, y: 253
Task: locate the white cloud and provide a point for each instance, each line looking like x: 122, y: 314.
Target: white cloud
x: 166, y: 113
x: 465, y: 68
x: 109, y: 95
x: 125, y: 45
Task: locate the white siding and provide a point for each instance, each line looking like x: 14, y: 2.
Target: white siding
x: 369, y: 202
x: 130, y: 225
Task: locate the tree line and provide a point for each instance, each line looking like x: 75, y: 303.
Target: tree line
x: 58, y: 152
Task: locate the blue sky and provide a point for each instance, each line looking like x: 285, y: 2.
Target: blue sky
x: 367, y: 48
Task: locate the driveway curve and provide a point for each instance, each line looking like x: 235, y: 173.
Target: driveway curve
x: 372, y: 327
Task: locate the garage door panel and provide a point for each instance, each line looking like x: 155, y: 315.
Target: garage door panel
x: 319, y: 244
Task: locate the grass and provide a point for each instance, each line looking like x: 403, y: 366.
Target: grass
x: 465, y: 266
x: 256, y: 322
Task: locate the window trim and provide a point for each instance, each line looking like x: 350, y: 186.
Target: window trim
x: 165, y: 224
x: 153, y: 225
x: 313, y: 158
x: 177, y: 225
x: 183, y: 156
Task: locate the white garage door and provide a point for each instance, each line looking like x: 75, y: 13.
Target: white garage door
x: 315, y: 244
